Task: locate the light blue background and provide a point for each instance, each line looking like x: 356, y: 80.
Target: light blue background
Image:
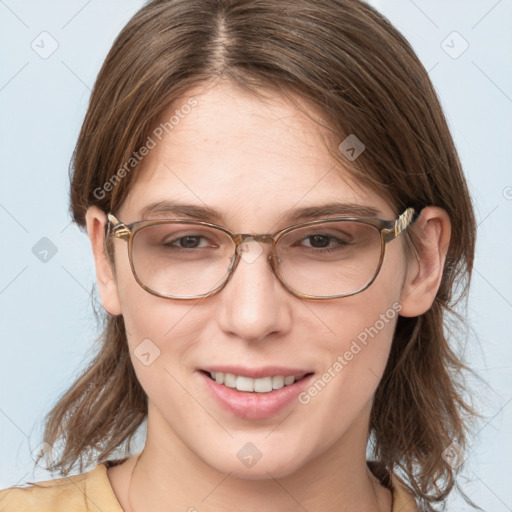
x: 47, y: 325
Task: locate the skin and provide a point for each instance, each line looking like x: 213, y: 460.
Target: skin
x: 254, y: 160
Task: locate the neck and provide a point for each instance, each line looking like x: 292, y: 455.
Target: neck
x: 167, y: 475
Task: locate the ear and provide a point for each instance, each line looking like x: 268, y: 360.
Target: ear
x: 96, y: 220
x: 432, y: 233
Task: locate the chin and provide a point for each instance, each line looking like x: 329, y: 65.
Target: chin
x: 270, y: 465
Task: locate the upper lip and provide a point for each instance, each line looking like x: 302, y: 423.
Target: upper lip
x: 256, y: 373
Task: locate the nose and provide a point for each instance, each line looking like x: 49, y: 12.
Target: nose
x: 254, y: 304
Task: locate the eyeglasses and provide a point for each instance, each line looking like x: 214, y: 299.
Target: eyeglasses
x: 319, y: 259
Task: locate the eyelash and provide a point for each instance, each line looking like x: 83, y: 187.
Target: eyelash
x: 331, y: 238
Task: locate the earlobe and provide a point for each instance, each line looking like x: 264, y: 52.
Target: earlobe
x: 425, y: 269
x: 96, y: 219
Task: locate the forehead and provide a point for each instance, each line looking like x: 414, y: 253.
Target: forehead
x: 246, y: 157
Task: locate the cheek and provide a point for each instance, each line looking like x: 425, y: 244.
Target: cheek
x: 161, y: 336
x: 355, y: 350
x: 160, y: 332
x: 339, y: 398
x: 171, y: 327
x: 362, y: 337
x: 372, y: 317
x: 369, y: 315
x: 145, y: 315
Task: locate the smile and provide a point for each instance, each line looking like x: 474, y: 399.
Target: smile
x: 248, y: 384
x: 266, y: 393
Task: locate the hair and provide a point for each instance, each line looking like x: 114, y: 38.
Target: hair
x: 351, y: 65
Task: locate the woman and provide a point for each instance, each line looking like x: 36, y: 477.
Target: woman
x: 279, y: 221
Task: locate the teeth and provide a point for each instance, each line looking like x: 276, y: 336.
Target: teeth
x: 277, y: 382
x: 229, y: 380
x: 289, y: 380
x: 261, y: 385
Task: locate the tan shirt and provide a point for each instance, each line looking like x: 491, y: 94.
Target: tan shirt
x: 92, y: 492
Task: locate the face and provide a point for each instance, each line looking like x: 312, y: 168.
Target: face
x: 253, y: 161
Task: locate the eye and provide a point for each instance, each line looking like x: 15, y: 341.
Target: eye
x: 321, y: 241
x: 178, y: 237
x: 186, y: 242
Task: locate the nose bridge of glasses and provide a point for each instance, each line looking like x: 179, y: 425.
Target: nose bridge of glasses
x: 250, y: 252
x: 264, y: 238
x: 243, y: 238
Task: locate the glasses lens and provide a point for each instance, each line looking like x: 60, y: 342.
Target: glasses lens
x: 181, y: 260
x: 328, y: 259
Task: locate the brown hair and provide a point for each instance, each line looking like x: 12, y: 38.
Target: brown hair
x: 346, y: 60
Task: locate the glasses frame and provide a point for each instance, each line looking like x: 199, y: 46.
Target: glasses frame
x: 388, y: 230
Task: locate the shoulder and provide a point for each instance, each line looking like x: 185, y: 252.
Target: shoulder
x: 87, y: 492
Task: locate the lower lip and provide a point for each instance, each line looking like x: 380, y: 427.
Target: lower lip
x: 254, y: 406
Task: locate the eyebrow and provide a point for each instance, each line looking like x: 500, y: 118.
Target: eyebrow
x: 207, y: 213
x: 164, y: 208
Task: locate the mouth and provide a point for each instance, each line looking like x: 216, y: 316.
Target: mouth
x: 250, y: 385
x: 263, y: 395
